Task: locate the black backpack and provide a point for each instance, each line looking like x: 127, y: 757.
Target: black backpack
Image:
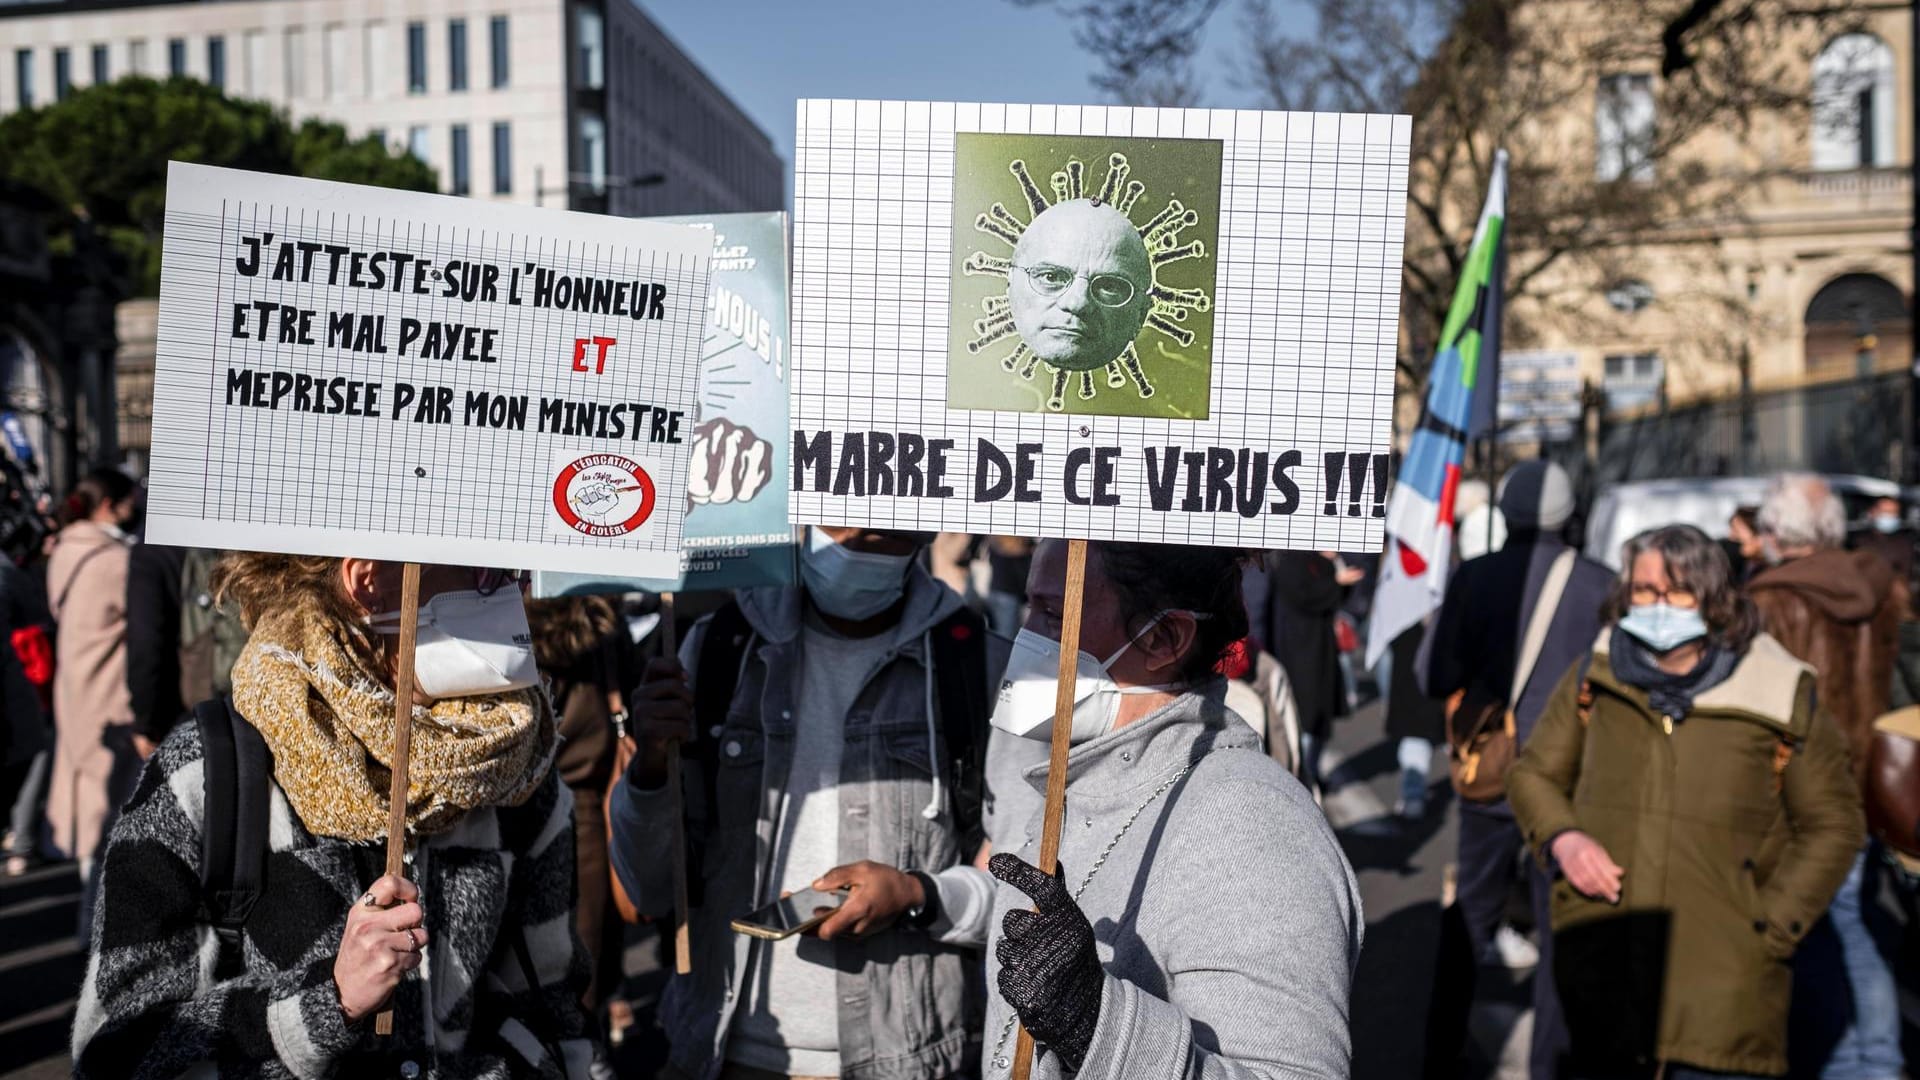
x: 236, y: 774
x: 236, y: 770
x: 961, y: 695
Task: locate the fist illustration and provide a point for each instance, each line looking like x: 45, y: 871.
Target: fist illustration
x: 730, y: 463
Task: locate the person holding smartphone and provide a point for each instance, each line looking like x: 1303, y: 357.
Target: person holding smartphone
x: 834, y: 740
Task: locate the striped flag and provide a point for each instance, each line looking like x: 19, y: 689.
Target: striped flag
x: 1460, y: 405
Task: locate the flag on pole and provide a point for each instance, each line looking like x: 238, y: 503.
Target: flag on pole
x: 1460, y: 404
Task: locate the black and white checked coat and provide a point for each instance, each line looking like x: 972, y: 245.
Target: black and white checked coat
x: 151, y: 1006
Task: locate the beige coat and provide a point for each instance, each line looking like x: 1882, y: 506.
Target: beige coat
x: 94, y: 760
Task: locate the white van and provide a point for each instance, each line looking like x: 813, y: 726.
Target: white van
x: 1623, y: 511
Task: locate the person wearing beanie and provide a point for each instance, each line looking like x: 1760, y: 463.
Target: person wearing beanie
x: 1474, y: 649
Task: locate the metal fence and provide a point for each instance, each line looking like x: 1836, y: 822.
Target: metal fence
x: 1857, y: 426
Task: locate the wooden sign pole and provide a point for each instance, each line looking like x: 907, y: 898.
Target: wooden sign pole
x: 1057, y: 761
x: 676, y: 811
x: 402, y: 741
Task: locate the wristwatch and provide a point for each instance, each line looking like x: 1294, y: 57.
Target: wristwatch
x: 922, y: 915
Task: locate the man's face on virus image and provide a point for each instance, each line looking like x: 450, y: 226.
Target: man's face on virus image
x: 1079, y: 285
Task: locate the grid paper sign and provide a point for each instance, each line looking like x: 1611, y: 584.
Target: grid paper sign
x: 736, y: 532
x: 346, y: 370
x: 1108, y: 323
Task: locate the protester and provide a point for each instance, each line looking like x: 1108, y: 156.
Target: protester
x: 1415, y: 722
x: 1009, y: 559
x: 1889, y: 536
x: 583, y: 649
x: 1203, y: 921
x: 94, y: 761
x: 1745, y: 553
x: 1291, y: 603
x: 181, y: 645
x: 1474, y: 650
x: 1695, y: 804
x: 26, y: 754
x: 473, y: 950
x: 1840, y: 612
x: 837, y: 734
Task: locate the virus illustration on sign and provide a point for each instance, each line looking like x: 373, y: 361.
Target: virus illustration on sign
x: 1083, y: 281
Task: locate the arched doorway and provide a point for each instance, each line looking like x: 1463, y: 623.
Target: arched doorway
x: 1857, y: 324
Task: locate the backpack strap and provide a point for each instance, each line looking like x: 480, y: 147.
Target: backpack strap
x: 961, y: 682
x: 235, y: 770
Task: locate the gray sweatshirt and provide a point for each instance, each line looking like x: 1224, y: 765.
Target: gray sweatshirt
x: 1226, y: 917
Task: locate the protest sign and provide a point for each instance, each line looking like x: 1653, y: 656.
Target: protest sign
x: 1169, y: 325
x: 344, y: 370
x: 736, y: 533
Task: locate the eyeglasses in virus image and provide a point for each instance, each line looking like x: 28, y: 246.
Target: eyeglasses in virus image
x: 1084, y: 281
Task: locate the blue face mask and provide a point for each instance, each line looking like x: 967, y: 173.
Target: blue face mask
x: 1663, y: 627
x: 851, y: 584
x: 1886, y: 523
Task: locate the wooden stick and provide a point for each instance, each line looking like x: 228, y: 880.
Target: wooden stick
x: 402, y: 741
x: 1057, y: 761
x: 676, y: 811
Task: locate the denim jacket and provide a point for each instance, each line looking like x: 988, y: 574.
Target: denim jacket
x: 910, y: 1002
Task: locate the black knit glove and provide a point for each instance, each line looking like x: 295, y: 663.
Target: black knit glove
x: 1049, y: 971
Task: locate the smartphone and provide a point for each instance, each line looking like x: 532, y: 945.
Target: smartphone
x: 791, y: 915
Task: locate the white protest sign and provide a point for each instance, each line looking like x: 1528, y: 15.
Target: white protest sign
x: 1166, y: 325
x: 345, y: 370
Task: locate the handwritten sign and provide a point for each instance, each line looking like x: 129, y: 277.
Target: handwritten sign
x: 344, y: 370
x: 1166, y: 325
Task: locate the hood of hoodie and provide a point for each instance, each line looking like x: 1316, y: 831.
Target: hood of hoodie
x: 775, y: 611
x: 1845, y: 586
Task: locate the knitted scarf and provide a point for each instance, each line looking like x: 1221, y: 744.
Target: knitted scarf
x: 328, y: 718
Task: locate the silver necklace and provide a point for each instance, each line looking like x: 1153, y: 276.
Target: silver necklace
x: 1000, y: 1059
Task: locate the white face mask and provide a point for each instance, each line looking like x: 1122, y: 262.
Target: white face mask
x: 470, y: 644
x: 1027, y: 690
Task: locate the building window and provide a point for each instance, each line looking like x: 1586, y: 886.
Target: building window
x: 1629, y: 296
x: 416, y: 58
x: 502, y: 159
x: 420, y: 143
x: 375, y: 56
x: 23, y: 77
x: 593, y: 151
x: 497, y: 40
x: 1853, y: 103
x: 462, y: 181
x: 334, y: 67
x: 176, y: 57
x: 100, y: 76
x: 253, y: 61
x: 296, y: 64
x: 591, y: 33
x: 456, y: 54
x: 1623, y: 128
x: 217, y: 62
x: 1632, y: 380
x: 62, y: 74
x: 137, y: 56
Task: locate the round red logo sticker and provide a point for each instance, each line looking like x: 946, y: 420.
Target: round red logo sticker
x: 603, y: 495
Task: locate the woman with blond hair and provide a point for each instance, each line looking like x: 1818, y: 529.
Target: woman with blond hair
x: 472, y: 949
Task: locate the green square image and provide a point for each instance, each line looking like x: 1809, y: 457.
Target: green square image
x: 1083, y: 271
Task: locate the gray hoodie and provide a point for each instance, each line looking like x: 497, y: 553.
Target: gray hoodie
x: 1226, y: 917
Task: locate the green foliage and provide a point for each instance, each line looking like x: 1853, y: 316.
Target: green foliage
x: 103, y: 152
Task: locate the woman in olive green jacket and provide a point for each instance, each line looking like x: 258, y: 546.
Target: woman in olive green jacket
x: 1695, y: 807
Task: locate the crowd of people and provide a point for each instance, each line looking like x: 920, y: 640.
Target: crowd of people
x: 1665, y: 765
